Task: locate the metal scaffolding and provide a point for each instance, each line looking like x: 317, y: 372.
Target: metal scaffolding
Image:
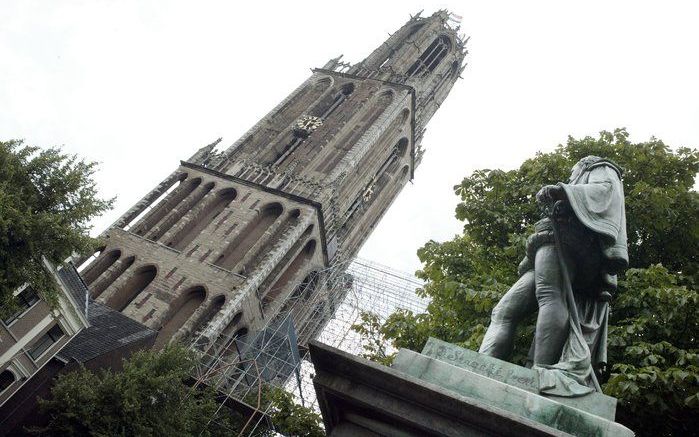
x: 324, y: 308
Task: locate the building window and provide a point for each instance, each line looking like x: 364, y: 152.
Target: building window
x: 45, y: 342
x: 431, y: 57
x: 25, y: 300
x: 6, y: 380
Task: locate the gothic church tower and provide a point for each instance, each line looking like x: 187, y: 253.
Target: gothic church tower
x: 217, y: 247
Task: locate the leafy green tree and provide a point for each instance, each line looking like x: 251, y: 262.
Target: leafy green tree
x: 153, y: 395
x: 654, y: 320
x: 292, y: 419
x: 47, y: 199
x: 150, y: 396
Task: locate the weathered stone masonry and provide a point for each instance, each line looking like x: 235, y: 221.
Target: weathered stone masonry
x: 218, y: 247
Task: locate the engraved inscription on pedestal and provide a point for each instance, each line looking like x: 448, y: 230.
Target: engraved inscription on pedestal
x: 483, y: 365
x: 514, y: 375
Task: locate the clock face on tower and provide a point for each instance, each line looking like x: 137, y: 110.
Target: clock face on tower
x: 307, y: 124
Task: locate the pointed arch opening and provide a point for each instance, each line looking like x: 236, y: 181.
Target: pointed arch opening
x: 98, y: 287
x: 157, y: 203
x: 170, y: 202
x: 90, y: 260
x: 101, y: 264
x: 291, y: 220
x: 251, y: 234
x: 295, y: 106
x: 225, y: 344
x: 405, y: 113
x: 400, y: 149
x: 335, y: 155
x: 230, y: 327
x: 430, y: 58
x: 329, y: 104
x: 133, y: 287
x: 187, y: 204
x: 194, y: 227
x: 306, y: 288
x: 290, y: 272
x: 180, y: 312
x: 206, y: 316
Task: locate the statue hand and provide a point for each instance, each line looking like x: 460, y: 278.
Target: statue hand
x: 550, y: 193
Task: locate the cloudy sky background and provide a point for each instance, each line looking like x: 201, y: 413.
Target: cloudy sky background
x: 139, y: 85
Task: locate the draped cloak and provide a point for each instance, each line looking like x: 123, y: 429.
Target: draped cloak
x: 596, y: 198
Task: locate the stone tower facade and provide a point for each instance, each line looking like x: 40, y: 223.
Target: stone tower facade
x: 219, y: 245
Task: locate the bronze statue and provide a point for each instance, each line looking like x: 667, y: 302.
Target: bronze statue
x: 569, y: 274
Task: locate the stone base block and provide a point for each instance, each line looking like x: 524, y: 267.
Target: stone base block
x: 423, y: 396
x: 497, y: 394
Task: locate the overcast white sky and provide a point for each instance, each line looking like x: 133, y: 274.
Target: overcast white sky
x: 139, y: 85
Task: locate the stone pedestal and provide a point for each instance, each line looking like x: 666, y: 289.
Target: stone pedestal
x: 448, y: 391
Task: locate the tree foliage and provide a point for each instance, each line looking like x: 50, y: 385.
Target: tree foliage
x: 654, y: 319
x: 292, y: 419
x: 153, y: 395
x: 47, y: 199
x: 148, y: 397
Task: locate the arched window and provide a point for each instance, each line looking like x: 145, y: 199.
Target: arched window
x: 291, y: 220
x: 133, y: 287
x: 320, y: 111
x: 89, y: 261
x: 306, y: 288
x: 170, y: 202
x: 250, y: 235
x: 404, y: 115
x: 399, y: 151
x: 230, y: 327
x: 229, y: 344
x: 103, y: 283
x: 295, y: 106
x: 431, y: 57
x: 328, y: 105
x: 190, y: 231
x: 180, y: 312
x: 6, y: 380
x: 377, y: 108
x: 402, y: 147
x: 190, y: 201
x: 214, y: 307
x: 100, y: 265
x: 156, y: 203
x: 385, y: 53
x: 290, y: 272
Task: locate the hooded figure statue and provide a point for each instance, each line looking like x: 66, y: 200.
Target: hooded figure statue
x: 568, y: 275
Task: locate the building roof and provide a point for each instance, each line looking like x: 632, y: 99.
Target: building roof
x: 109, y: 329
x: 71, y: 279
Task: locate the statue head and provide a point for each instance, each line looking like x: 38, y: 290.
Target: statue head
x: 588, y: 163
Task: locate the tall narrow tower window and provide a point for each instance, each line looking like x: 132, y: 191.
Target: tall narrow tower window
x: 324, y: 109
x: 309, y: 123
x: 97, y: 288
x: 101, y: 265
x: 197, y: 224
x: 247, y: 238
x: 184, y: 309
x: 284, y: 280
x: 133, y: 287
x: 430, y: 58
